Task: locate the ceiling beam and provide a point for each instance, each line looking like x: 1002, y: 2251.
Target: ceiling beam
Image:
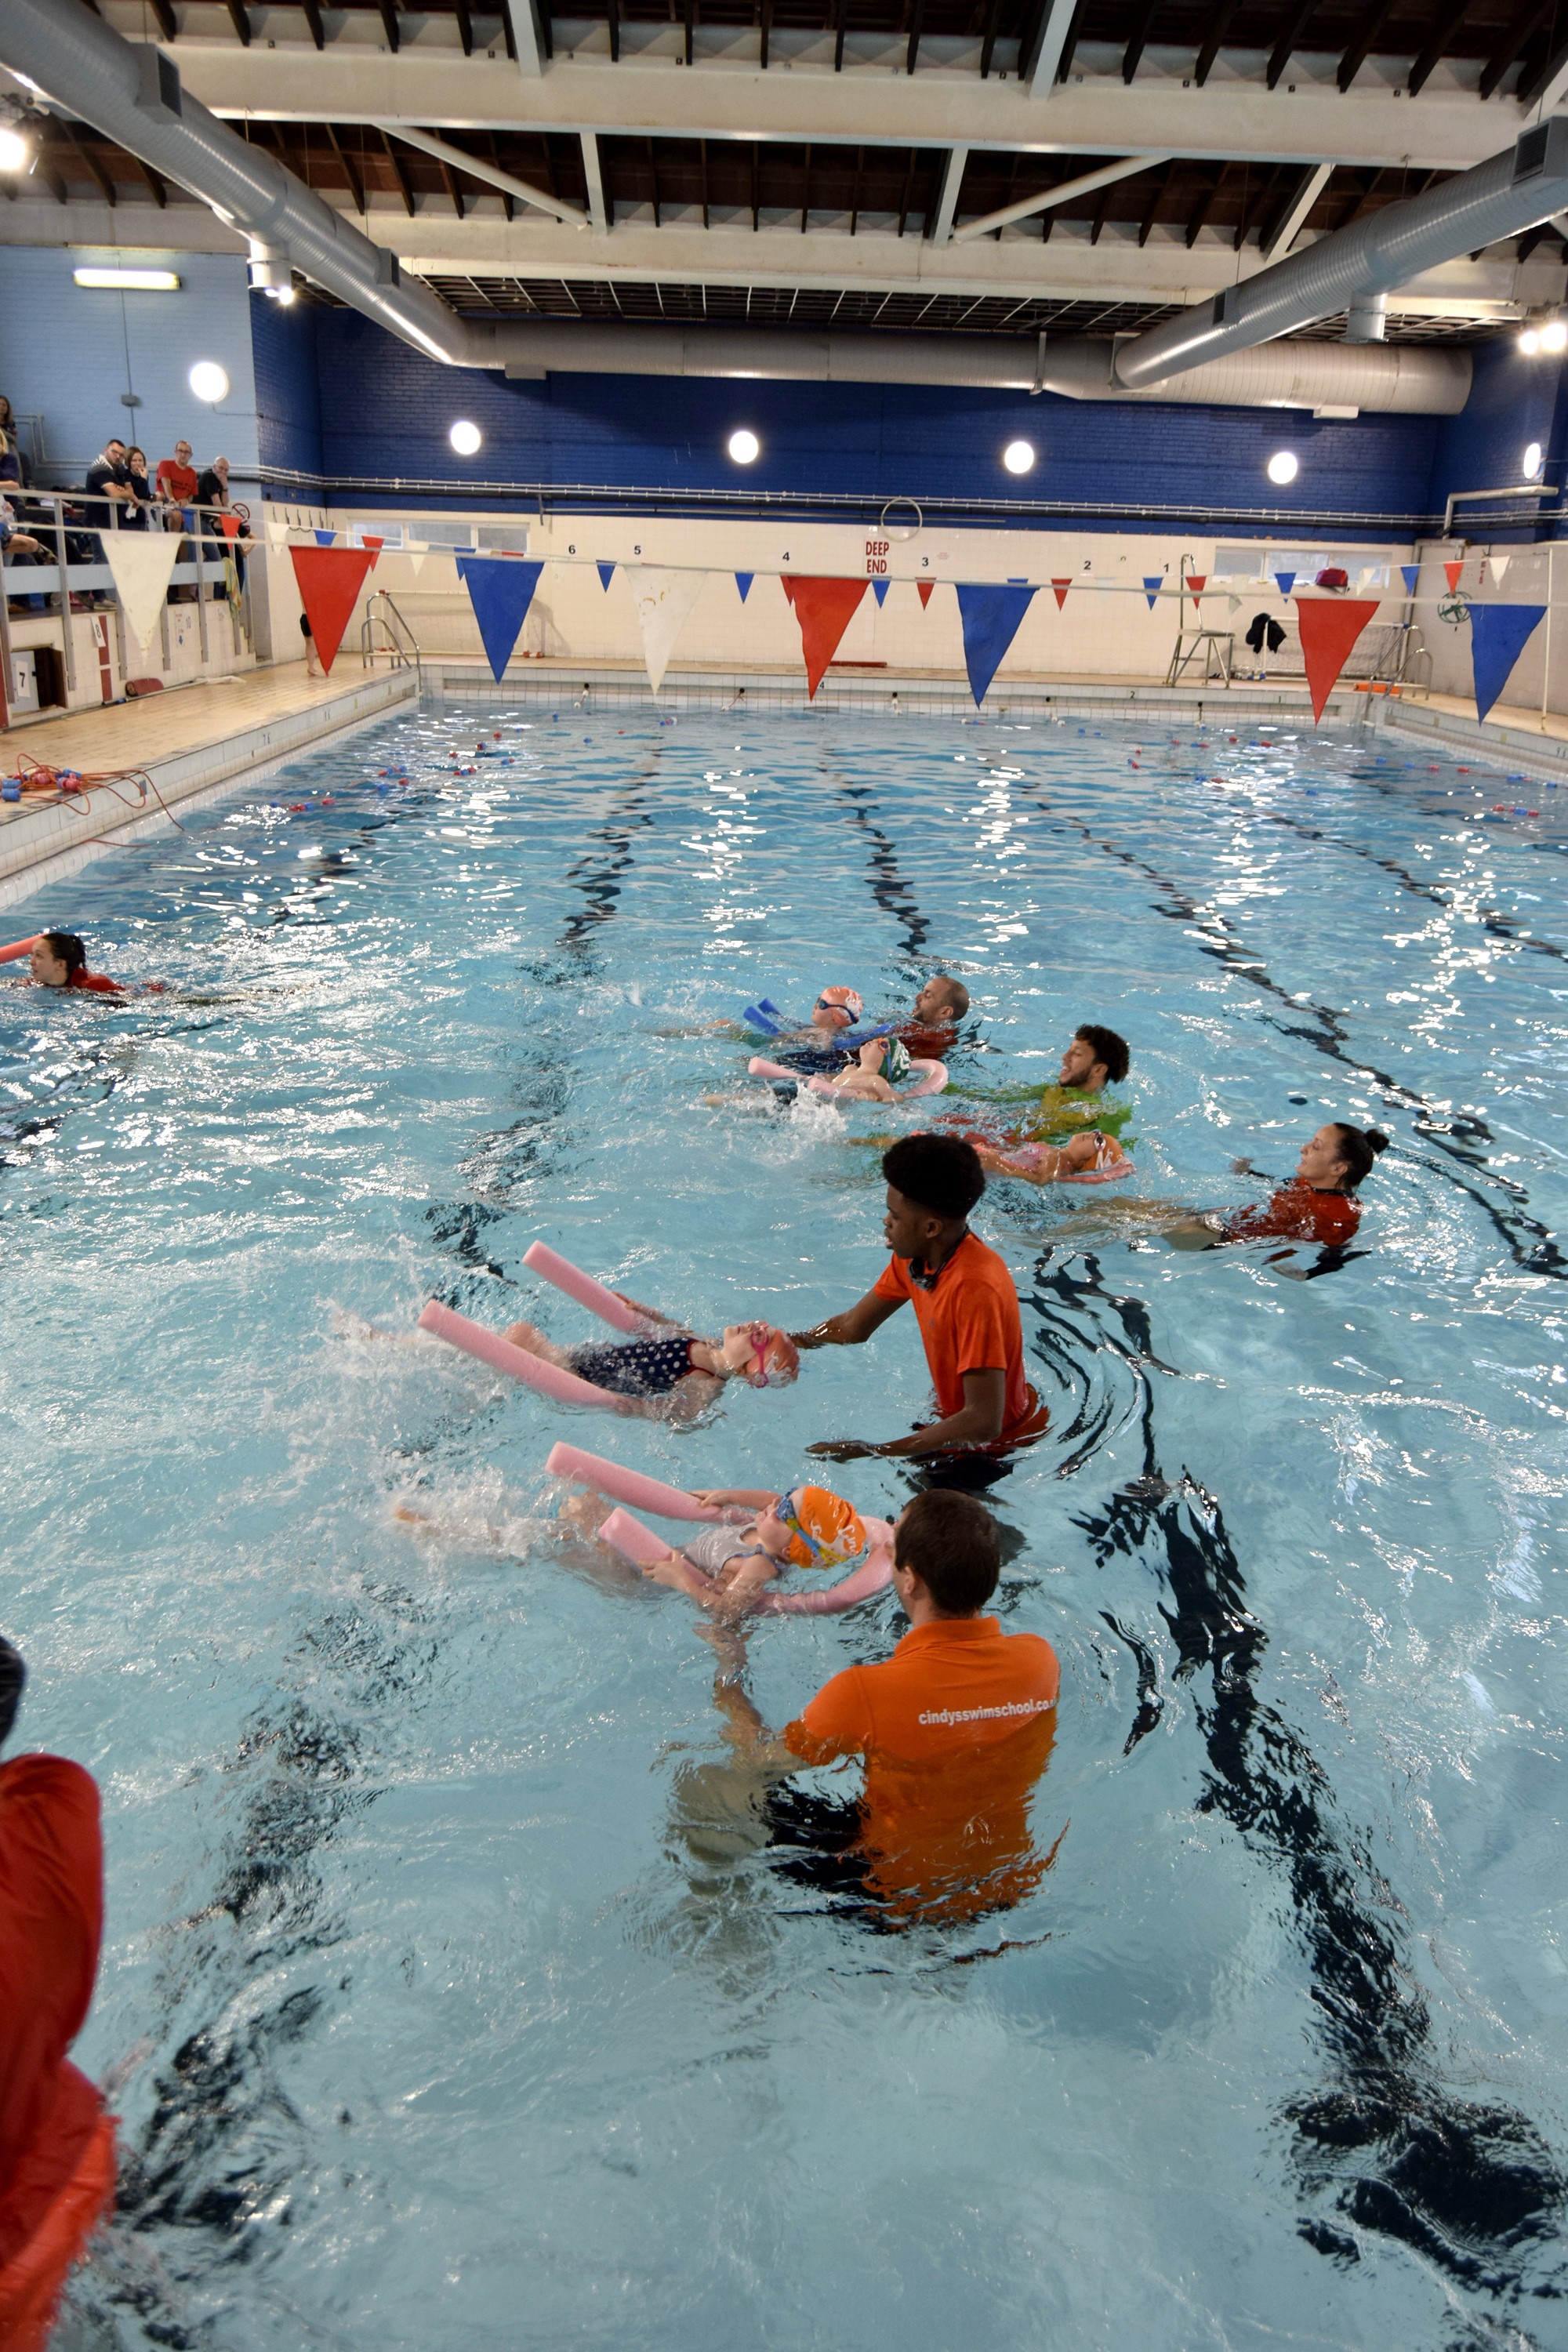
x: 916, y: 23
x: 526, y: 38
x: 455, y: 158
x: 318, y: 31
x: 1144, y: 25
x: 1520, y: 34
x: 947, y: 195
x: 240, y: 20
x: 465, y: 26
x: 593, y: 174
x: 1096, y: 117
x: 389, y: 25
x: 1214, y: 34
x: 1546, y: 85
x: 1373, y: 21
x: 165, y: 15
x: 405, y: 187
x: 1064, y: 193
x: 356, y: 185
x: 1198, y: 219
x: 1284, y: 48
x: 1279, y: 243
x: 1444, y: 29
x: 106, y: 186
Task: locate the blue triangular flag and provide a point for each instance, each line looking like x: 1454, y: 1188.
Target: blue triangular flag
x: 1411, y: 575
x: 1499, y: 633
x: 991, y: 618
x: 325, y: 537
x: 879, y: 589
x: 1152, y: 583
x: 607, y: 574
x: 742, y: 581
x: 500, y: 591
x: 1286, y: 582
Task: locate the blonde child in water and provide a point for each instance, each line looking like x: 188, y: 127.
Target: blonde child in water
x: 670, y: 1369
x: 728, y: 1569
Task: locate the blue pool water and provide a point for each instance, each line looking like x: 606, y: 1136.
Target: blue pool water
x: 448, y: 1999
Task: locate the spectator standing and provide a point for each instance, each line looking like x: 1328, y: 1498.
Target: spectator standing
x: 212, y: 491
x: 57, y: 2145
x: 135, y: 516
x: 177, y: 479
x: 10, y: 459
x: 109, y: 482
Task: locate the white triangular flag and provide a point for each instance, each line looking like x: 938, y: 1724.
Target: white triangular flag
x: 1235, y: 603
x: 140, y: 563
x: 416, y: 556
x: 1499, y: 564
x: 664, y: 600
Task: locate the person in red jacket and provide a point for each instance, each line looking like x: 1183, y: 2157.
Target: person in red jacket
x: 57, y: 2145
x: 58, y: 960
x: 1319, y: 1205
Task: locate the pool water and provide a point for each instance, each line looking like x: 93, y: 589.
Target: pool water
x: 448, y: 1995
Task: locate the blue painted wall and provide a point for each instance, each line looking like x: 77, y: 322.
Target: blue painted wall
x: 384, y: 410
x: 288, y: 387
x: 1514, y: 400
x: 68, y: 351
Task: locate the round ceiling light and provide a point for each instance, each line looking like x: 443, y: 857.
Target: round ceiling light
x: 1529, y: 342
x: 1532, y: 461
x: 1554, y: 336
x: 1284, y: 465
x: 1018, y: 457
x: 465, y: 437
x: 14, y: 152
x: 745, y: 447
x: 208, y: 382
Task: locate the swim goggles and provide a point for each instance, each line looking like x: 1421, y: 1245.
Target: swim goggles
x: 760, y: 1334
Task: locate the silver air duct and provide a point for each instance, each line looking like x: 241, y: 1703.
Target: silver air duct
x: 132, y: 95
x: 1508, y: 194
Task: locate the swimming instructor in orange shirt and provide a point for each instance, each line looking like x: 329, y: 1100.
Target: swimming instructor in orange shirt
x: 952, y: 1732
x: 964, y: 1302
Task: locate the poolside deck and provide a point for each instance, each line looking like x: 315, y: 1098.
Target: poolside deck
x: 188, y: 740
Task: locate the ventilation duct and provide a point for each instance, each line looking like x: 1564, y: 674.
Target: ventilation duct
x: 1510, y: 193
x: 133, y: 94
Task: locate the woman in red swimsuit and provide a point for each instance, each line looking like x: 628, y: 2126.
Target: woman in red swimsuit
x: 1318, y: 1203
x: 58, y: 960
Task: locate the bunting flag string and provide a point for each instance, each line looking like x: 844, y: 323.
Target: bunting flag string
x: 139, y: 564
x: 1059, y: 591
x: 664, y: 600
x: 1152, y: 583
x: 1198, y: 580
x: 1411, y: 575
x: 924, y: 588
x: 1285, y: 581
x: 879, y: 589
x: 1451, y: 574
x: 329, y: 580
x: 1499, y: 634
x: 825, y: 609
x: 743, y: 583
x: 1329, y: 626
x: 990, y: 617
x: 500, y: 590
x: 607, y: 574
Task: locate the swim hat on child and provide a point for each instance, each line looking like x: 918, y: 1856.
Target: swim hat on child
x: 825, y: 1530
x: 843, y: 1001
x: 777, y: 1360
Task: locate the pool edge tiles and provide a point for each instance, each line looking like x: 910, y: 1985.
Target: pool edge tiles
x: 60, y: 838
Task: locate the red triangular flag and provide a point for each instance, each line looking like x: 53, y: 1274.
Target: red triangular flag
x: 1059, y: 589
x: 825, y: 609
x: 787, y: 584
x: 925, y: 587
x: 330, y: 580
x: 1451, y: 574
x: 375, y: 546
x: 1197, y: 582
x: 230, y: 525
x: 1329, y: 628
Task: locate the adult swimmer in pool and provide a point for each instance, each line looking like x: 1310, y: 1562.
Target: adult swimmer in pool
x: 1077, y: 1104
x: 672, y: 1370
x: 58, y: 960
x: 1318, y: 1203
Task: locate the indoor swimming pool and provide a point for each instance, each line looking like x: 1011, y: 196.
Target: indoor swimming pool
x: 447, y: 1998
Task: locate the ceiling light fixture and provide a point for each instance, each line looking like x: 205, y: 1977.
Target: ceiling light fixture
x: 745, y: 447
x: 208, y: 382
x: 1529, y: 342
x: 1531, y: 461
x: 1283, y: 467
x: 138, y: 281
x: 465, y: 437
x: 1018, y: 457
x: 1554, y: 336
x: 15, y: 153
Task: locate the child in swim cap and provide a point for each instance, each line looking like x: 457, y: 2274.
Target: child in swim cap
x: 727, y: 1570
x: 837, y: 1008
x: 672, y: 1370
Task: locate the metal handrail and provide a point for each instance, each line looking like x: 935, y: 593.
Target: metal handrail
x: 402, y: 651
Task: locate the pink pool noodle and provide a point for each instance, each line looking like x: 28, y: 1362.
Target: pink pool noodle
x: 761, y: 1067
x: 17, y: 949
x: 583, y: 1288
x: 631, y: 1485
x: 629, y: 1536
x: 502, y: 1357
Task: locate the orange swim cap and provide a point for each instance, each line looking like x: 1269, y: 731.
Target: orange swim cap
x: 825, y: 1530
x: 843, y: 1001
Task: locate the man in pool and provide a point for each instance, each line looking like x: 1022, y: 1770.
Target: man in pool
x: 1069, y: 1128
x: 954, y: 1732
x: 964, y: 1302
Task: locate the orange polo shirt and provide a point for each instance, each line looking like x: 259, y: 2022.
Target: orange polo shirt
x: 970, y: 1323
x: 955, y: 1729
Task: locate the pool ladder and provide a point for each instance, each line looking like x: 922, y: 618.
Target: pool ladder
x: 396, y: 639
